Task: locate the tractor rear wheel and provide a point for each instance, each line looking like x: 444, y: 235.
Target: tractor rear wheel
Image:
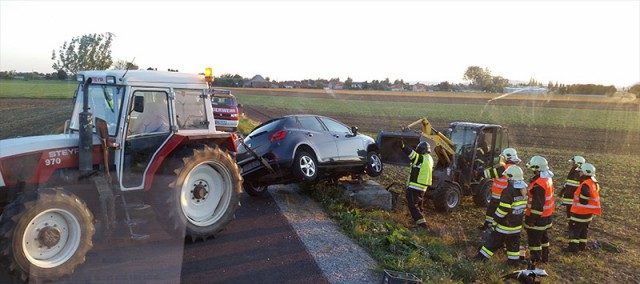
x: 447, y: 197
x: 199, y: 192
x: 46, y: 234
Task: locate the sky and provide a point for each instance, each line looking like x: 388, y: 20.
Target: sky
x: 570, y: 42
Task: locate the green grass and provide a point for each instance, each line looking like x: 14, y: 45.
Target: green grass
x: 37, y: 89
x: 514, y: 115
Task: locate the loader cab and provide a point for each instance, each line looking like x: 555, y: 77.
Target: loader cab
x: 477, y: 147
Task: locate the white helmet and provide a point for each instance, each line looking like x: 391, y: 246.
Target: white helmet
x: 510, y: 155
x: 578, y: 160
x: 588, y: 169
x: 514, y: 173
x: 538, y: 164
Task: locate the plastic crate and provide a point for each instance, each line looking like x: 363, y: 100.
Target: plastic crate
x: 396, y: 277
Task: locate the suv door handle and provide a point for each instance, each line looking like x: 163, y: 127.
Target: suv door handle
x: 309, y: 134
x: 336, y: 135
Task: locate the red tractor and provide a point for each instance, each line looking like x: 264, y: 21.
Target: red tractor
x: 143, y: 137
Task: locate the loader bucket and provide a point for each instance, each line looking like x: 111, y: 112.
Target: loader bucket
x: 390, y: 146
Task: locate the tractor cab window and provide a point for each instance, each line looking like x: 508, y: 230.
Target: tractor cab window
x: 190, y: 109
x: 153, y: 117
x: 104, y: 102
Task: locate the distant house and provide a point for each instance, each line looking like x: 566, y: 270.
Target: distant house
x: 399, y: 87
x: 257, y: 82
x: 357, y: 85
x: 335, y: 85
x: 419, y: 87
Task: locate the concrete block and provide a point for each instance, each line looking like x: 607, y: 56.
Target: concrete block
x: 368, y: 194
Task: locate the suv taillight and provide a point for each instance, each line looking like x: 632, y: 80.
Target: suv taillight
x: 278, y: 136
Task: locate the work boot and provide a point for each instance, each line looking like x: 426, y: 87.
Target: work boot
x: 582, y: 246
x: 572, y: 248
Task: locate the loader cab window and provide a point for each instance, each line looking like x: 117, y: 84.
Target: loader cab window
x: 104, y: 102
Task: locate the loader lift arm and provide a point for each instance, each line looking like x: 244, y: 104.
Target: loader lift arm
x: 444, y: 146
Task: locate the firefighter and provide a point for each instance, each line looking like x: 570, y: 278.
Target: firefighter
x: 508, y: 158
x: 586, y: 202
x: 540, y: 206
x: 572, y: 183
x: 482, y: 150
x: 421, y: 169
x: 508, y: 219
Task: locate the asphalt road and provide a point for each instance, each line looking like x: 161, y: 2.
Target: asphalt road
x: 259, y: 246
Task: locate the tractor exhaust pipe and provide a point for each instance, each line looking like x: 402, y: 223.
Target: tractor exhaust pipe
x: 85, y: 119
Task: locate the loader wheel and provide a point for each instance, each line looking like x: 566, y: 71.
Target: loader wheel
x: 255, y: 190
x: 447, y: 197
x: 483, y: 196
x: 46, y: 234
x: 198, y: 193
x: 374, y: 164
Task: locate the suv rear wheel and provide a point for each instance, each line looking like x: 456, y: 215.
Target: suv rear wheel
x: 305, y: 166
x: 374, y: 164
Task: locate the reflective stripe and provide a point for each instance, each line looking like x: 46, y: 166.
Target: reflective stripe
x: 572, y: 182
x: 417, y: 186
x: 502, y: 204
x: 535, y: 248
x: 581, y: 220
x: 486, y: 252
x: 420, y: 221
x: 500, y: 213
x: 535, y: 212
x: 513, y: 254
x: 537, y: 228
x: 508, y: 230
x: 545, y: 245
x: 488, y: 219
x: 586, y: 206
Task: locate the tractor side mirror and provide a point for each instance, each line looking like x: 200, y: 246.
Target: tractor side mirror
x: 138, y: 103
x: 240, y: 105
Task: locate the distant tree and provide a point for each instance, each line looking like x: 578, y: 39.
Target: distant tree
x: 124, y: 65
x: 479, y: 77
x: 498, y: 84
x: 87, y: 52
x: 7, y: 74
x: 635, y: 89
x: 348, y: 83
x: 444, y: 86
x: 61, y: 75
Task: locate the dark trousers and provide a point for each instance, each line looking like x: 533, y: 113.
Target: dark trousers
x: 497, y: 240
x: 578, y: 235
x: 568, y: 206
x: 491, y: 211
x: 538, y: 245
x: 414, y: 202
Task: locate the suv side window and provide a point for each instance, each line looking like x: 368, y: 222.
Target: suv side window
x: 190, y: 109
x: 335, y: 126
x: 310, y: 123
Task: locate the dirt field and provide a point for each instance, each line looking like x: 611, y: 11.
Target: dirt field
x: 25, y: 117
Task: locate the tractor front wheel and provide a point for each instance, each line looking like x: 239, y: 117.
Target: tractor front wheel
x: 199, y: 192
x: 46, y: 234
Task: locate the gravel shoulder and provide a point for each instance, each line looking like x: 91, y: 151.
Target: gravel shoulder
x: 339, y: 257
